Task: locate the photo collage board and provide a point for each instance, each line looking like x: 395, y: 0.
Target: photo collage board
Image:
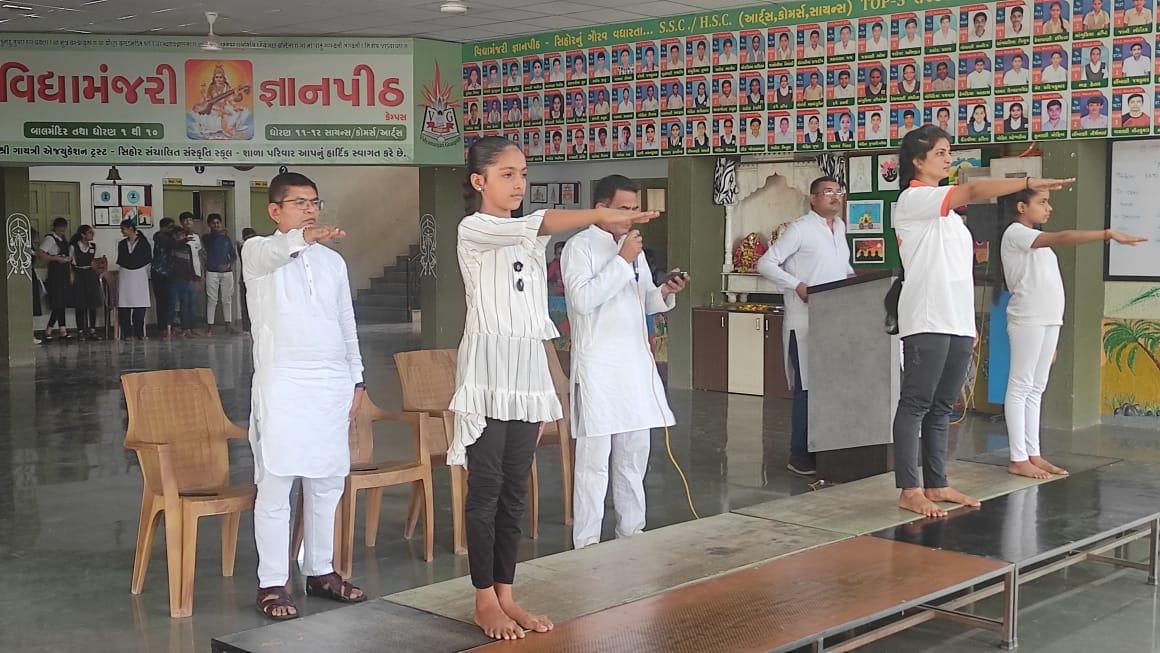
x: 846, y: 77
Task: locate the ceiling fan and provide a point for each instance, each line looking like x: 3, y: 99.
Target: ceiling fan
x: 211, y: 43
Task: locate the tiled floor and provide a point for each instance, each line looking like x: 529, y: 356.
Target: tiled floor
x: 70, y: 495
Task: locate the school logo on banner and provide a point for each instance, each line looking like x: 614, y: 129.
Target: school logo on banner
x: 440, y: 127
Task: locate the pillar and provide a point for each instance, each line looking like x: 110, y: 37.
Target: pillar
x: 1072, y: 400
x: 441, y: 197
x: 696, y: 229
x: 16, y: 348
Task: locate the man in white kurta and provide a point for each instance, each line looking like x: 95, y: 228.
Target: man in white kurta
x: 308, y: 380
x: 811, y: 251
x: 617, y: 396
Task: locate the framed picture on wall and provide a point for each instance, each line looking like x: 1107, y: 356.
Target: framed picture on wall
x: 868, y: 251
x: 539, y: 194
x: 570, y: 193
x: 106, y: 195
x: 863, y: 217
x: 133, y: 196
x: 553, y: 194
x: 101, y: 217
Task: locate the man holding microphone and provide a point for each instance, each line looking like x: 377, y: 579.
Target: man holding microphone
x: 617, y: 396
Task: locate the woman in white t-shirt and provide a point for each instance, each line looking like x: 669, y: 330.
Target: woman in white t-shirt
x: 936, y: 310
x: 504, y: 391
x: 1034, y: 316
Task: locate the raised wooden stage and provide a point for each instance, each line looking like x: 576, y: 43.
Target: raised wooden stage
x: 834, y: 569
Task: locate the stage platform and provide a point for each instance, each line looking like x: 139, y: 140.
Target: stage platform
x: 620, y: 580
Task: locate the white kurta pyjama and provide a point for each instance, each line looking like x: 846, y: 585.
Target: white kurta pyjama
x: 502, y: 368
x: 306, y: 356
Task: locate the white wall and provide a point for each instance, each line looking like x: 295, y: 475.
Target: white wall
x: 377, y: 205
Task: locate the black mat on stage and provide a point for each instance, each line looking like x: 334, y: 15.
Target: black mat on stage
x: 374, y: 626
x: 1046, y: 520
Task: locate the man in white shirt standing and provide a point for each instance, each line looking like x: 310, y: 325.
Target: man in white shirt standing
x: 308, y: 383
x: 812, y: 251
x: 617, y: 396
x: 1137, y: 65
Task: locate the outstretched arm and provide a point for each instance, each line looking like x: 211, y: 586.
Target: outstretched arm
x: 1073, y: 237
x: 978, y: 190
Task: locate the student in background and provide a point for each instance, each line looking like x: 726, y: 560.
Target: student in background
x: 54, y: 249
x: 87, y: 296
x: 219, y: 276
x: 1034, y: 317
x: 134, y: 256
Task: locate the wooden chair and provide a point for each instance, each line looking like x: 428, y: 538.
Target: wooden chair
x: 371, y: 476
x: 179, y: 430
x: 427, y: 378
x: 560, y: 431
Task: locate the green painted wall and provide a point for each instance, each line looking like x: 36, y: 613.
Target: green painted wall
x: 16, y: 348
x: 441, y: 195
x: 696, y: 230
x: 1072, y: 400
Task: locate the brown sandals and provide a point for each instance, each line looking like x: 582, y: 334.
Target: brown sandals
x: 332, y: 586
x: 276, y: 597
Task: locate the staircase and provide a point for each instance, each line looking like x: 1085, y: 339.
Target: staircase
x: 385, y: 302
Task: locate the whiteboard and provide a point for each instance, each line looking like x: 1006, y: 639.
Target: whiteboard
x: 1134, y: 208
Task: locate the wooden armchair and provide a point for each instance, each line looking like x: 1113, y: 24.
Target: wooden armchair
x: 179, y: 431
x: 371, y: 476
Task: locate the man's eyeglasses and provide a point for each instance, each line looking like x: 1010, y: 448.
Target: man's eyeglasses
x: 829, y: 193
x: 303, y: 204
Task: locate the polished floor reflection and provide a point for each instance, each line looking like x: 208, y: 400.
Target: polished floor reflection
x: 70, y: 495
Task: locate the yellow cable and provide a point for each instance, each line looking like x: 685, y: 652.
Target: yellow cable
x: 660, y: 406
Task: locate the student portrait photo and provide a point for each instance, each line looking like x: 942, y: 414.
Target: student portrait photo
x: 813, y: 130
x: 875, y: 85
x: 908, y: 83
x: 600, y: 69
x: 755, y: 48
x: 910, y: 38
x: 1096, y: 18
x: 726, y: 52
x: 700, y: 97
x: 471, y: 80
x: 1138, y: 14
x: 1054, y: 71
x: 1016, y: 120
x: 876, y: 40
x: 814, y: 48
x: 754, y: 97
x: 909, y: 122
x: 845, y: 44
x: 783, y: 90
x: 1015, y: 25
x: 623, y: 65
x: 783, y: 133
x: 1095, y: 113
x: 1134, y: 114
x: 623, y: 102
x: 599, y: 99
x: 980, y: 27
x: 674, y: 140
x: 843, y: 87
x: 813, y: 90
x: 942, y: 80
x: 1095, y: 69
x: 784, y: 50
x: 674, y: 61
x: 700, y: 134
x: 978, y: 120
x: 942, y: 118
x: 1135, y: 61
x: 674, y: 95
x: 1056, y: 16
x: 728, y: 134
x: 844, y: 128
x: 647, y: 58
x: 646, y: 95
x: 754, y: 131
x: 980, y: 75
x: 945, y: 33
x: 1053, y: 119
x: 724, y: 96
x: 699, y: 53
x: 876, y: 129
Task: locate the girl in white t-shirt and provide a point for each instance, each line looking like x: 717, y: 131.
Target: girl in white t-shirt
x: 1034, y: 316
x: 504, y: 390
x: 936, y: 310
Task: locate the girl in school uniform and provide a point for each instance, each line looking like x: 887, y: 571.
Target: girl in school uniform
x: 1034, y: 316
x: 936, y: 310
x: 87, y: 297
x: 504, y: 391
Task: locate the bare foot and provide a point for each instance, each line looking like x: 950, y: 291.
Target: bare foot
x: 528, y: 621
x: 1039, y: 462
x: 912, y: 499
x: 490, y: 617
x: 1026, y: 468
x: 951, y: 495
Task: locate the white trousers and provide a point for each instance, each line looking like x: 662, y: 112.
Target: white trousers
x: 629, y: 455
x: 1032, y: 352
x: 219, y: 286
x: 320, y: 498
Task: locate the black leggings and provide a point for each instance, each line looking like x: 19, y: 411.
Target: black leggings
x: 498, y: 466
x: 132, y: 322
x: 56, y: 318
x: 86, y: 318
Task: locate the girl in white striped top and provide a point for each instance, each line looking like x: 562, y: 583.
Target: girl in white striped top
x: 504, y: 391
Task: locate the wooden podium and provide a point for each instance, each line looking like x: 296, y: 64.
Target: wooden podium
x: 854, y: 378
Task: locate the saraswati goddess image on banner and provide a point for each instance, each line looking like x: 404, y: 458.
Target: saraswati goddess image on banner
x: 219, y: 103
